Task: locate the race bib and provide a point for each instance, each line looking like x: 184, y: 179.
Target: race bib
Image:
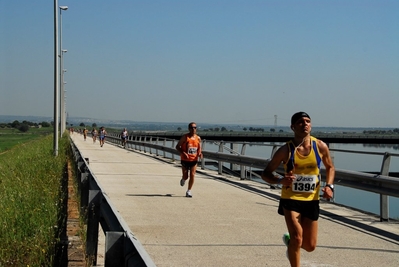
x: 304, y: 183
x: 192, y: 151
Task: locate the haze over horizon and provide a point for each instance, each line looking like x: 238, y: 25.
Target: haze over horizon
x: 132, y: 125
x: 216, y: 62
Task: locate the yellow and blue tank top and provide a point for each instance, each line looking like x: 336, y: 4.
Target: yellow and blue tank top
x: 306, y: 186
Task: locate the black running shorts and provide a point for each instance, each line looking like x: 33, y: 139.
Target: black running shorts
x: 188, y: 164
x: 308, y: 209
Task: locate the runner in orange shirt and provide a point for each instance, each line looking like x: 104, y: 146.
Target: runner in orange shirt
x: 189, y: 147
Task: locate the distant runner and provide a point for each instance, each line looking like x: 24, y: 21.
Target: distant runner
x: 94, y: 135
x: 124, y: 136
x: 103, y: 134
x: 85, y: 131
x: 189, y: 147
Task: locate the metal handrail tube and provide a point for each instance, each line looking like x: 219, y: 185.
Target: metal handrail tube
x: 360, y: 180
x: 362, y: 152
x: 281, y: 136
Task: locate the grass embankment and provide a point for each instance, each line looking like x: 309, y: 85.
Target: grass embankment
x: 10, y: 137
x: 31, y: 202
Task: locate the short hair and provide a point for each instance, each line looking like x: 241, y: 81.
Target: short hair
x: 298, y: 115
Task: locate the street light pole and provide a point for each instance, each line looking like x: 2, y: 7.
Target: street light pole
x: 62, y: 90
x: 56, y: 83
x: 64, y: 97
x: 61, y: 54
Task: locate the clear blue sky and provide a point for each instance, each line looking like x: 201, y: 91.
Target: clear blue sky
x: 224, y: 62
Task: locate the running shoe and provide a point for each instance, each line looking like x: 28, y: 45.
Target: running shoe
x: 286, y: 239
x: 182, y: 182
x: 188, y: 194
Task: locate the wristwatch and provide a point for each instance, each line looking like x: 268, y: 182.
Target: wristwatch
x: 331, y: 186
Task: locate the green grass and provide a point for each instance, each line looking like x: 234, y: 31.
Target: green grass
x: 10, y: 137
x: 31, y: 202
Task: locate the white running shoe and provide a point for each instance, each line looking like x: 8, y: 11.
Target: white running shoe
x: 188, y: 194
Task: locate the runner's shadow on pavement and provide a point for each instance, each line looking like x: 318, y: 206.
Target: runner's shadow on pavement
x: 149, y: 195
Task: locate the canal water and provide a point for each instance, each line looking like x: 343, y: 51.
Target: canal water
x: 347, y: 161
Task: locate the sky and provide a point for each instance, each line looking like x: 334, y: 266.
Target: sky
x: 244, y: 62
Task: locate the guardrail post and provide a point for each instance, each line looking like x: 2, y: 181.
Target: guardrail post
x: 156, y: 150
x: 93, y: 223
x: 114, y: 249
x: 203, y: 158
x: 384, y: 201
x: 84, y: 193
x: 140, y: 143
x: 150, y: 151
x: 164, y: 144
x: 233, y: 146
x: 80, y: 170
x: 173, y: 146
x: 243, y: 168
x: 220, y: 163
x: 79, y: 165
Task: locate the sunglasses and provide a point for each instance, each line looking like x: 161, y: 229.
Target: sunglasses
x: 191, y: 127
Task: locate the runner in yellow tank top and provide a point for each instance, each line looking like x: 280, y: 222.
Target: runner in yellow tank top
x: 299, y: 202
x: 306, y: 186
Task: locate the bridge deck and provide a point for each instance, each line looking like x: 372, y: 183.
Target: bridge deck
x: 228, y: 222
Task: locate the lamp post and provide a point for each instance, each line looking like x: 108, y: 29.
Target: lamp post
x: 61, y: 54
x: 65, y: 99
x: 62, y: 91
x: 56, y: 84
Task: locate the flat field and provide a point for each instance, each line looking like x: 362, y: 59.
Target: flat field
x: 10, y: 137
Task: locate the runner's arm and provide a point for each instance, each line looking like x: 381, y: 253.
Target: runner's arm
x: 269, y: 175
x: 330, y: 169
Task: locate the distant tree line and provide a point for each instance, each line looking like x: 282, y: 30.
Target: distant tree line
x: 24, y: 126
x: 94, y: 125
x: 394, y: 131
x: 224, y: 129
x: 216, y: 129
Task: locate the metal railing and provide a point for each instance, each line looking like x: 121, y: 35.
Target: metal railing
x: 381, y: 183
x: 121, y: 247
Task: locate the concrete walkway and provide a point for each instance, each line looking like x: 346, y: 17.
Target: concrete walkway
x: 228, y: 222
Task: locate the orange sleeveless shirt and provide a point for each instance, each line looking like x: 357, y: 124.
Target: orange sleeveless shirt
x: 191, y: 146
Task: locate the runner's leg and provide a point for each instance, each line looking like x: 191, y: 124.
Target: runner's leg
x: 310, y: 229
x: 192, y: 176
x: 292, y: 219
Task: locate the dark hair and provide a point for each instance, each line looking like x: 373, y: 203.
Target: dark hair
x: 299, y: 115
